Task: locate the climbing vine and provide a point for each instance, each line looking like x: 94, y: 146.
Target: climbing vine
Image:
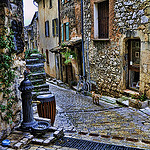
x: 7, y: 73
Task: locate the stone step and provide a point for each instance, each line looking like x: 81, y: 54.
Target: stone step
x: 34, y: 61
x: 35, y: 94
x: 40, y: 75
x: 36, y: 67
x: 38, y: 82
x: 40, y: 56
x: 43, y: 87
x: 130, y: 92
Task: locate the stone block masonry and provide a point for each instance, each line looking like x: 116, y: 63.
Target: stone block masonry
x: 128, y: 20
x: 11, y: 10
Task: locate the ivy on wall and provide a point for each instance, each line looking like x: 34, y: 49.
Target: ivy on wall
x: 7, y: 73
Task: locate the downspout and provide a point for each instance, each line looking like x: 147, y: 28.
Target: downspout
x: 82, y: 38
x: 61, y: 69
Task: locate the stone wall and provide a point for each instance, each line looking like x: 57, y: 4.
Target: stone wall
x: 127, y: 20
x: 71, y: 12
x: 11, y: 10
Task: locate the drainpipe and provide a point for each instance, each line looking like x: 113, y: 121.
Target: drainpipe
x: 59, y: 21
x: 61, y: 68
x: 82, y: 38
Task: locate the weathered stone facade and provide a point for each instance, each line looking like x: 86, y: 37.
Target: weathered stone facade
x: 11, y: 11
x: 70, y: 14
x: 31, y: 33
x: 128, y: 20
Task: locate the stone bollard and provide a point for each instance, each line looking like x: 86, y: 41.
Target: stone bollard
x: 26, y: 89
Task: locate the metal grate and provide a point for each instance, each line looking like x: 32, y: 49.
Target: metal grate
x: 89, y: 145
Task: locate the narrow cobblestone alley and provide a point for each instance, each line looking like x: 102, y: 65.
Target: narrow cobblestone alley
x: 107, y: 123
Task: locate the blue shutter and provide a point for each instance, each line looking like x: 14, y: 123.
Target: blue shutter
x: 53, y: 30
x: 67, y: 31
x: 56, y: 26
x: 63, y: 1
x: 62, y: 32
x: 47, y: 28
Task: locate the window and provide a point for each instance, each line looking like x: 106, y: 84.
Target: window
x: 47, y: 56
x: 50, y: 3
x: 101, y: 20
x: 65, y: 31
x: 43, y: 3
x: 47, y: 28
x: 55, y: 27
x: 65, y: 1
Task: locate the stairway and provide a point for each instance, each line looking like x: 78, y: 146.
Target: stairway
x: 35, y: 63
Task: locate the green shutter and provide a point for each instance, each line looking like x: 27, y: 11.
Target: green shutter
x: 62, y: 32
x: 67, y: 31
x: 53, y: 30
x: 63, y: 1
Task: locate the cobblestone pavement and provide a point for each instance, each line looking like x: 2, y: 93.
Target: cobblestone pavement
x: 107, y: 123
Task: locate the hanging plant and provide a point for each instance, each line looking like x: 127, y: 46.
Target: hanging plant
x: 68, y: 54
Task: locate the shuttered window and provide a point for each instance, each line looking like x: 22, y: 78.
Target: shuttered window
x: 47, y: 28
x: 103, y: 19
x: 67, y: 31
x: 47, y: 56
x: 55, y: 27
x: 50, y: 3
x: 62, y: 32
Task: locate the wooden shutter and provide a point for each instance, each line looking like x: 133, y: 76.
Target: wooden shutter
x: 62, y: 32
x: 53, y: 30
x: 103, y: 19
x: 67, y: 31
x: 56, y: 26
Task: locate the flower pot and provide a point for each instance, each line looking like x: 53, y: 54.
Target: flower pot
x: 137, y: 104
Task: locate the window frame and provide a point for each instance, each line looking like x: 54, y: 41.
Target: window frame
x: 50, y: 4
x: 47, y: 56
x: 55, y: 27
x: 47, y: 29
x: 65, y: 32
x: 97, y: 22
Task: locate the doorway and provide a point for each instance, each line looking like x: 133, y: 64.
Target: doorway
x: 132, y: 58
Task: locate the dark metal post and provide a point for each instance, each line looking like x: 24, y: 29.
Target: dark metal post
x: 82, y: 38
x: 26, y: 89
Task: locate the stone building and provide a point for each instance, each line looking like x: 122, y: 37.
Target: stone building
x: 49, y: 33
x: 118, y: 33
x: 31, y: 33
x: 70, y: 14
x: 12, y: 66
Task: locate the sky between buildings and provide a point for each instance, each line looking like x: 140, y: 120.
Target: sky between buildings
x: 29, y: 10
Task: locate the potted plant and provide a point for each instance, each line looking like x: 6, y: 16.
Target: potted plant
x: 138, y: 101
